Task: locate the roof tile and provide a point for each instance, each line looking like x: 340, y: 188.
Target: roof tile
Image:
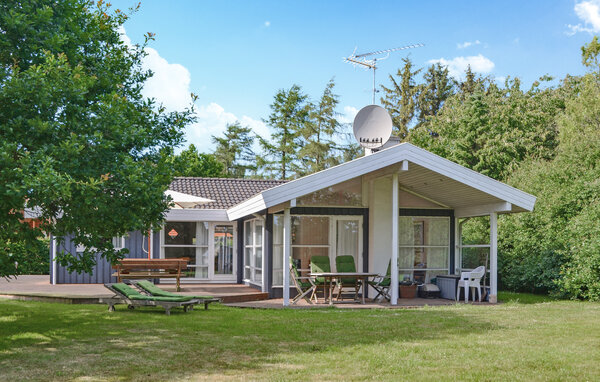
x: 226, y: 192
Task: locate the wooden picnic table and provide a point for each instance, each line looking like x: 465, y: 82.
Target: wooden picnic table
x: 331, y: 276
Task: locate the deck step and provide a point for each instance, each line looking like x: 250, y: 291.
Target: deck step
x: 258, y: 296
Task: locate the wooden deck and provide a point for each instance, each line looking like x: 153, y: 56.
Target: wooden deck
x: 38, y: 288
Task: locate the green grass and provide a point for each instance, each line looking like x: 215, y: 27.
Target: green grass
x: 522, y: 339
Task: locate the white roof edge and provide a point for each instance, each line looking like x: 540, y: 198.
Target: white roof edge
x: 363, y: 165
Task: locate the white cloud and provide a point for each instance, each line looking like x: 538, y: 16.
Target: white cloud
x: 212, y: 120
x: 267, y: 24
x: 588, y: 12
x: 458, y: 65
x: 348, y: 115
x: 467, y: 44
x: 170, y: 85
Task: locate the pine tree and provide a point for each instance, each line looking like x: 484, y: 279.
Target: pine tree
x: 435, y: 91
x: 234, y: 150
x: 317, y: 152
x: 401, y: 98
x: 289, y: 115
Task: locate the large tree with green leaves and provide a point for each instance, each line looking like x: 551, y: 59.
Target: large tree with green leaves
x: 234, y: 150
x: 192, y: 163
x: 79, y: 142
x: 437, y: 87
x: 289, y: 116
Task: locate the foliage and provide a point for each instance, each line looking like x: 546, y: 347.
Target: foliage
x: 438, y: 86
x: 318, y: 145
x: 234, y: 150
x: 493, y: 129
x: 289, y: 116
x: 400, y: 99
x: 557, y: 246
x: 192, y: 163
x: 30, y: 257
x: 78, y: 140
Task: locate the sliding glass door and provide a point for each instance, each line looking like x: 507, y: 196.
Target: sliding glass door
x: 209, y: 248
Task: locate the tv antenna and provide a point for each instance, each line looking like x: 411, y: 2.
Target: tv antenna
x: 371, y: 63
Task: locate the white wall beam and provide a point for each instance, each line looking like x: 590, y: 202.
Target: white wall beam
x: 482, y: 210
x: 287, y: 251
x: 493, y: 257
x: 394, y: 265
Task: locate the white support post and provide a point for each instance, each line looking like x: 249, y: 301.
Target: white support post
x: 394, y: 265
x: 457, y: 246
x: 493, y: 257
x: 53, y: 260
x: 287, y: 250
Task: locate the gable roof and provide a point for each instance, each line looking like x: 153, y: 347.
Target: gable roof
x: 226, y: 192
x: 424, y: 167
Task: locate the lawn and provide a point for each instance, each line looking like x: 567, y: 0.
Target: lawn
x: 525, y: 338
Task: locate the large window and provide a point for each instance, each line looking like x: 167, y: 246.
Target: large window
x: 188, y: 240
x: 317, y: 236
x: 424, y: 247
x: 253, y: 250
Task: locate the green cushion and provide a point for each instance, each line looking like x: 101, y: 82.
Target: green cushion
x: 346, y: 264
x: 386, y: 282
x: 156, y: 291
x: 133, y: 294
x: 320, y: 264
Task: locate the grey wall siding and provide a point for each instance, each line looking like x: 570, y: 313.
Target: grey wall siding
x: 101, y: 273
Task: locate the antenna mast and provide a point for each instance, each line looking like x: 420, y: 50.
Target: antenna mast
x: 360, y: 59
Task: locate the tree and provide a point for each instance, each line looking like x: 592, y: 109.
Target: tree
x: 192, y: 163
x: 436, y: 89
x: 78, y: 140
x: 289, y: 115
x: 400, y: 99
x: 234, y: 150
x: 317, y: 153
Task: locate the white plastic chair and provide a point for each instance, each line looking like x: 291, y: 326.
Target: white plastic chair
x: 470, y: 280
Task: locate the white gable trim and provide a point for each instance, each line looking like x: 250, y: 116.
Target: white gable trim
x: 393, y: 155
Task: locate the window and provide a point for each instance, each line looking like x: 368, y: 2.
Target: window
x: 253, y: 250
x: 424, y: 247
x: 118, y: 242
x: 188, y: 240
x: 347, y: 194
x: 310, y: 237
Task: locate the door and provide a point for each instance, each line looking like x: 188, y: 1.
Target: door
x: 346, y: 232
x: 223, y: 249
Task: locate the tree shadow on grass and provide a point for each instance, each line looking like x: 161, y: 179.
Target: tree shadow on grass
x: 88, y: 341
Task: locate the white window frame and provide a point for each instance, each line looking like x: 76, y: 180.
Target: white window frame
x: 413, y: 269
x: 252, y: 268
x: 207, y: 246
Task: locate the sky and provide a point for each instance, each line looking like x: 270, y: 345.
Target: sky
x: 235, y: 55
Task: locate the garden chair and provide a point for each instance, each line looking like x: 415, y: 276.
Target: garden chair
x: 124, y: 294
x: 382, y: 284
x: 320, y: 264
x: 304, y: 284
x: 470, y: 280
x: 152, y: 290
x: 345, y: 263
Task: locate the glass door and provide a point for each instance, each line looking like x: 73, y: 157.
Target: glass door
x: 348, y: 238
x: 188, y: 240
x: 223, y: 251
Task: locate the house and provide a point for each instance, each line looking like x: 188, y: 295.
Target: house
x: 401, y: 206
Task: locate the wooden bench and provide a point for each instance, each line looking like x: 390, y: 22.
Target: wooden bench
x: 150, y: 269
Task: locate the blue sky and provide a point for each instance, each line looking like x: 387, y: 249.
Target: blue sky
x: 235, y: 55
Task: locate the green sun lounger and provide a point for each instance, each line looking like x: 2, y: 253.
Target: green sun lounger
x: 124, y: 294
x: 152, y: 290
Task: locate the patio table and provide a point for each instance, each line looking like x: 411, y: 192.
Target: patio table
x: 331, y: 276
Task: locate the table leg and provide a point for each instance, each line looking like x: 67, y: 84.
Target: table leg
x: 362, y: 280
x: 330, y: 292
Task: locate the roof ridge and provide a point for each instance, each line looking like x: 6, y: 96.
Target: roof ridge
x: 230, y: 179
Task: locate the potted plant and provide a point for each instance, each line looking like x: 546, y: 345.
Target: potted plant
x: 408, y: 289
